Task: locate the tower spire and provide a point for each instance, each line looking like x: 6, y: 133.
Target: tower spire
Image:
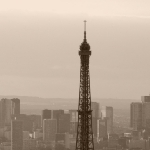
x: 84, y: 30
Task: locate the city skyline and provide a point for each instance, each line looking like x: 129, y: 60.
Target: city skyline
x: 39, y: 48
x: 52, y: 96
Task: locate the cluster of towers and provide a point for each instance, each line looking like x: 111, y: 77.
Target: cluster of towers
x: 55, y: 123
x: 22, y: 131
x: 14, y: 126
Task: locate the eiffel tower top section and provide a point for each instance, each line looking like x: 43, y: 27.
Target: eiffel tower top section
x: 84, y: 47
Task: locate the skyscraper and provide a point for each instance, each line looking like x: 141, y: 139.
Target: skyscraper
x: 84, y: 140
x: 95, y: 116
x: 49, y: 129
x: 27, y: 122
x: 16, y: 135
x: 9, y: 109
x: 146, y: 111
x: 46, y: 114
x: 95, y: 109
x: 63, y: 123
x: 101, y: 129
x: 136, y: 115
x: 73, y: 115
x: 56, y: 115
x: 15, y: 106
x: 73, y: 121
x: 36, y: 119
x: 6, y: 112
x: 107, y: 112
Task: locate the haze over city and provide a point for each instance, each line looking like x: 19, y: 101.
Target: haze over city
x: 74, y: 75
x: 39, y: 46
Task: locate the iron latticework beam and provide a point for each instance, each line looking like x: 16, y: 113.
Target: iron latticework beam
x: 84, y: 140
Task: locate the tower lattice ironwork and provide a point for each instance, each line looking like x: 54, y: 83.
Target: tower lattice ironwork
x: 84, y: 139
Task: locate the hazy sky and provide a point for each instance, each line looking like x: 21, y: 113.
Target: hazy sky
x: 40, y: 39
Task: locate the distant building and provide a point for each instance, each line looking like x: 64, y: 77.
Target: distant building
x: 73, y: 121
x: 53, y: 114
x: 9, y: 108
x: 49, y: 129
x: 46, y: 114
x: 95, y: 116
x: 29, y: 144
x: 38, y: 134
x: 139, y: 144
x: 16, y: 135
x: 145, y: 99
x: 63, y: 123
x: 146, y: 111
x: 15, y: 106
x: 7, y: 135
x: 101, y: 129
x: 5, y: 112
x: 140, y: 114
x: 64, y: 139
x: 136, y: 116
x: 95, y: 109
x: 5, y: 146
x: 36, y: 119
x: 26, y: 135
x: 56, y: 115
x: 27, y: 122
x: 73, y: 115
x: 94, y: 126
x: 136, y: 135
x: 107, y: 112
x: 73, y: 128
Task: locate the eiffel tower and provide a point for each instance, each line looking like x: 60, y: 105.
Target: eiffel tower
x: 84, y: 139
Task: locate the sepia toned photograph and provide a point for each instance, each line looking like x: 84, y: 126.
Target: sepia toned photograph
x: 74, y: 75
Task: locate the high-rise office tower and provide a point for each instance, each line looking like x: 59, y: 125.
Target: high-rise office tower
x: 84, y: 140
x: 107, y: 112
x: 46, y: 114
x: 73, y: 121
x: 9, y: 109
x: 5, y: 112
x: 36, y: 119
x: 56, y: 115
x: 95, y: 116
x: 146, y: 111
x: 16, y: 135
x: 101, y: 129
x: 136, y: 115
x: 73, y: 115
x: 63, y: 123
x: 27, y: 122
x: 49, y: 129
x: 15, y: 105
x: 94, y: 126
x: 95, y: 109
